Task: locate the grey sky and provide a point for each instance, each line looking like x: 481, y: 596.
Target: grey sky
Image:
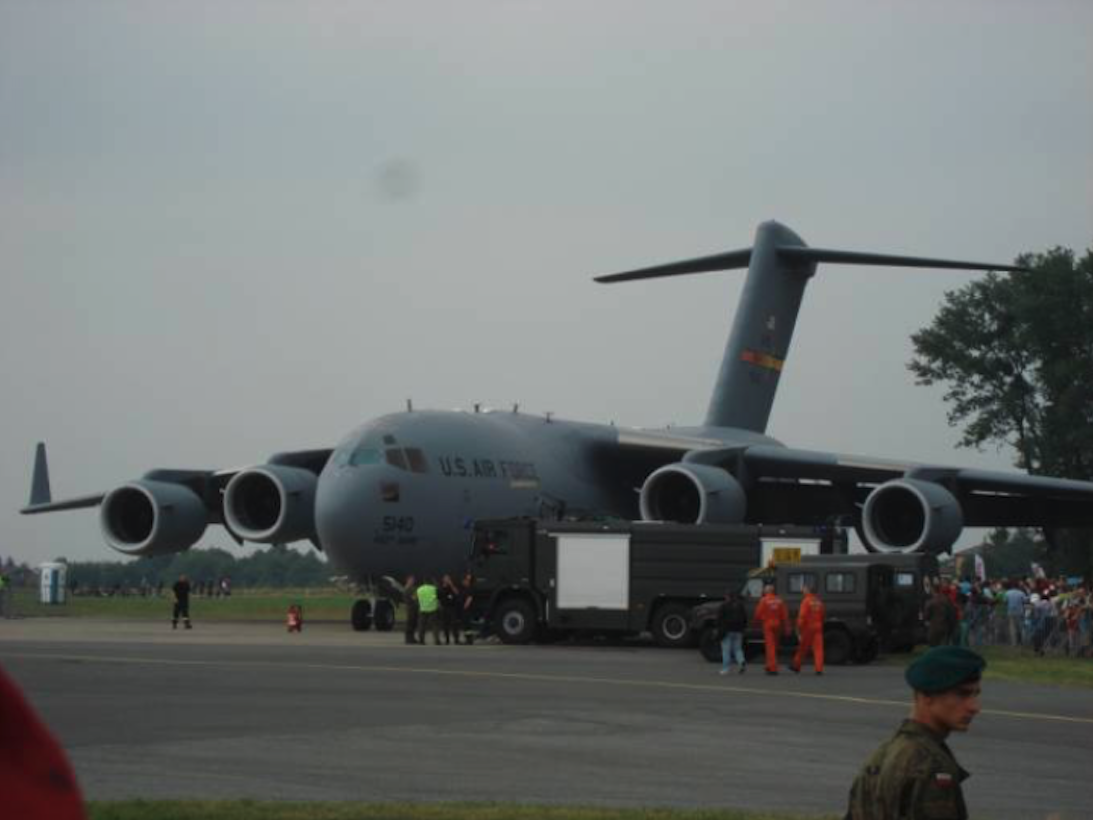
x: 228, y: 229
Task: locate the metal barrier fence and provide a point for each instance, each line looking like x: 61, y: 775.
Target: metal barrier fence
x: 1045, y: 634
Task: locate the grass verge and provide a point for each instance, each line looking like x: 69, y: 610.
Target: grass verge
x: 264, y: 810
x: 1024, y: 666
x: 322, y: 604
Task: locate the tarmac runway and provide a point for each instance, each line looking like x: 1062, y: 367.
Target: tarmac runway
x: 246, y: 710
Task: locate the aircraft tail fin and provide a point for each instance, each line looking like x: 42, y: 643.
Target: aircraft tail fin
x: 39, y: 483
x: 779, y: 266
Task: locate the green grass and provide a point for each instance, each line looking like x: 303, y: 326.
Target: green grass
x: 320, y: 604
x: 1024, y: 666
x: 263, y: 810
x: 1004, y: 663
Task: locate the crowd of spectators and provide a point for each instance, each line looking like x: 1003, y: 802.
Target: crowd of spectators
x: 1047, y: 615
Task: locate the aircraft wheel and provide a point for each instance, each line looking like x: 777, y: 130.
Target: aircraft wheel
x: 672, y: 626
x: 838, y: 647
x: 709, y: 645
x: 361, y: 616
x: 383, y: 618
x: 515, y: 621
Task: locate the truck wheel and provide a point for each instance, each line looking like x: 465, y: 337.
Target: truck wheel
x: 709, y: 645
x: 672, y: 626
x: 515, y: 620
x: 868, y: 649
x: 837, y: 647
x: 384, y: 616
x: 361, y: 616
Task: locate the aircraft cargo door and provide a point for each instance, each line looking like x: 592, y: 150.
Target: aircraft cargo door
x: 592, y: 588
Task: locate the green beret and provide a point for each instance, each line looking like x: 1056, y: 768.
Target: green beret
x: 943, y: 668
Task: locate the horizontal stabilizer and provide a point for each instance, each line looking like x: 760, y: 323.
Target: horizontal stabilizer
x: 805, y: 254
x: 703, y: 264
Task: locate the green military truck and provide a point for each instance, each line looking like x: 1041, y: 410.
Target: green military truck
x: 912, y: 574
x: 857, y: 596
x: 534, y: 579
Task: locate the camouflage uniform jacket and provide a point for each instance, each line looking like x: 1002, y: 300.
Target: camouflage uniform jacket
x: 913, y: 776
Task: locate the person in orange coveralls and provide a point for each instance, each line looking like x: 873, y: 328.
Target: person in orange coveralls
x: 772, y: 613
x: 810, y: 629
x: 36, y: 780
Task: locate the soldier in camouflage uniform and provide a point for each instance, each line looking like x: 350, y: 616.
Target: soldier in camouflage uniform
x: 914, y: 776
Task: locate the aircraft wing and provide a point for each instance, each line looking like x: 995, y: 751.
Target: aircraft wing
x: 167, y: 510
x: 986, y: 497
x: 77, y: 503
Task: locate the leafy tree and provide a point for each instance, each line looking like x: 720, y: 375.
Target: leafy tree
x: 1015, y: 354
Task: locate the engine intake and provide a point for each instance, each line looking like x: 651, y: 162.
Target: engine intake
x: 910, y: 515
x: 693, y: 494
x: 271, y: 504
x: 152, y: 518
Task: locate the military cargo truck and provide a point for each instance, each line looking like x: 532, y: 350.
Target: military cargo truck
x: 535, y: 579
x: 856, y: 595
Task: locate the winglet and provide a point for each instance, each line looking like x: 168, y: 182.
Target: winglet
x: 39, y: 483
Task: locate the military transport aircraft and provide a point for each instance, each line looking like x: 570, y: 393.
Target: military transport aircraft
x: 398, y: 493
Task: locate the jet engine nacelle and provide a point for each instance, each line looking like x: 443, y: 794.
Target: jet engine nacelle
x: 152, y: 518
x: 910, y: 515
x: 693, y: 494
x: 272, y: 503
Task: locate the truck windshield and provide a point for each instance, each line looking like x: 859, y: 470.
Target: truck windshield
x: 490, y: 542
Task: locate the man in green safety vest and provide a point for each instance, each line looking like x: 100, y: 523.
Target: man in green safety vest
x: 5, y: 591
x: 429, y: 606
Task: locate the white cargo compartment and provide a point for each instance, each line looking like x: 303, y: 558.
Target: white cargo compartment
x: 593, y: 571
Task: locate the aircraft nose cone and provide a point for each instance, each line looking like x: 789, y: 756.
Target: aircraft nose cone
x: 341, y: 519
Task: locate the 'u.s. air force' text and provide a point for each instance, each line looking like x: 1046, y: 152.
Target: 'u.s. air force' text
x: 459, y: 467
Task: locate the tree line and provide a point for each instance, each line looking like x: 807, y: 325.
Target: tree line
x: 277, y: 567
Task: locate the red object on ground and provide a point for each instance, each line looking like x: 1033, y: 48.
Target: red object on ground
x: 36, y: 780
x: 294, y: 621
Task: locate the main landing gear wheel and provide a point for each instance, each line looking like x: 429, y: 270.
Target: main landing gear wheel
x: 361, y: 616
x: 383, y: 617
x: 672, y: 626
x: 515, y: 621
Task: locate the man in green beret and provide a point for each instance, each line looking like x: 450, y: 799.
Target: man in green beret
x: 914, y: 776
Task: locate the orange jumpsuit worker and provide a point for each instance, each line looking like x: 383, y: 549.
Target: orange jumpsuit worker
x: 772, y: 613
x: 810, y: 627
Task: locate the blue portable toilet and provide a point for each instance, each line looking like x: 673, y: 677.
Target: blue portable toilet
x: 54, y: 575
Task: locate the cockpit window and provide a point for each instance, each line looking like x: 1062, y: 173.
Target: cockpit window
x: 364, y: 455
x: 416, y: 460
x: 396, y: 458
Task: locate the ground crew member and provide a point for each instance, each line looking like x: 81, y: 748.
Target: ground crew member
x: 914, y: 776
x: 409, y: 600
x: 181, y: 589
x: 428, y: 603
x: 5, y: 591
x: 810, y: 631
x: 940, y: 616
x: 771, y: 612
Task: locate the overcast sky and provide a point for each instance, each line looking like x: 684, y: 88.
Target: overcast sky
x: 228, y: 229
